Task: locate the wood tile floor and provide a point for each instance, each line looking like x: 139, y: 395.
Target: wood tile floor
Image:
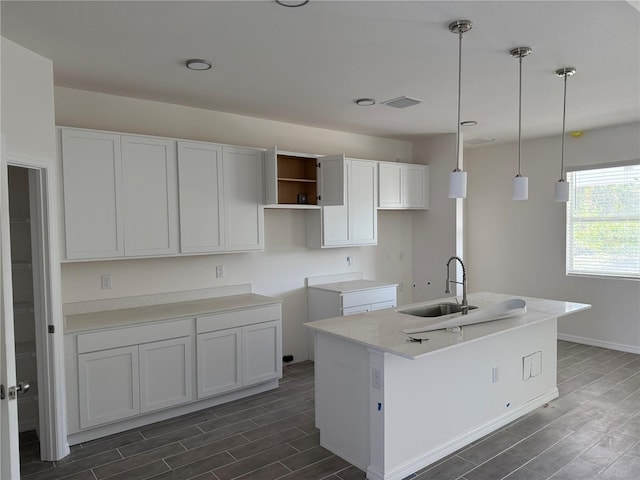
x: 592, y: 431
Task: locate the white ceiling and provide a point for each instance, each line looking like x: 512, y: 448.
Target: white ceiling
x: 306, y: 65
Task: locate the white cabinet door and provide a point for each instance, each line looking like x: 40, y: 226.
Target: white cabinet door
x: 390, y: 185
x: 108, y: 385
x: 416, y: 186
x: 403, y: 186
x: 244, y: 211
x: 92, y: 173
x: 150, y: 187
x: 262, y: 352
x: 219, y: 361
x: 363, y: 194
x: 200, y: 193
x: 355, y: 222
x: 331, y: 171
x: 165, y: 373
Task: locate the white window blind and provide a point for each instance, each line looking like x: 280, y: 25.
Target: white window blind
x: 603, y: 222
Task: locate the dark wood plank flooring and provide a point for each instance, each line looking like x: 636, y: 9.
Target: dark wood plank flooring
x: 592, y: 431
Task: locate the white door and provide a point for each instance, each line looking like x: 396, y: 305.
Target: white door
x: 165, y: 373
x: 92, y: 174
x: 9, y: 450
x: 219, y: 361
x: 271, y: 176
x: 390, y: 185
x: 363, y: 193
x: 262, y: 352
x: 335, y: 219
x: 109, y: 385
x: 331, y: 174
x: 200, y: 194
x: 243, y: 208
x: 150, y: 187
x: 416, y: 183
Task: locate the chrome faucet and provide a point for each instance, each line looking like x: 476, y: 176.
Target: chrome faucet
x: 465, y: 306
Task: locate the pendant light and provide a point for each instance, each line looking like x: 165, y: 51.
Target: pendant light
x: 520, y: 183
x: 458, y: 178
x: 561, y: 192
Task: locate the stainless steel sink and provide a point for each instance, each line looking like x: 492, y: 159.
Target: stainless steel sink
x: 436, y: 310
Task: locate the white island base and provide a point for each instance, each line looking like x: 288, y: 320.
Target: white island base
x: 392, y: 414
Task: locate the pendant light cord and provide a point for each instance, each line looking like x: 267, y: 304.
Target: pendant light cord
x: 519, y: 114
x: 459, y: 101
x: 564, y: 114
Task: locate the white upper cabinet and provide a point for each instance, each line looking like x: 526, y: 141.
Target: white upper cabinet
x: 355, y: 222
x: 150, y: 187
x: 243, y: 209
x: 403, y: 186
x: 138, y: 196
x: 92, y: 176
x: 200, y: 193
x: 298, y: 180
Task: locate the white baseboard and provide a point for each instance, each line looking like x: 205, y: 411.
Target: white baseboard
x: 402, y: 471
x: 600, y: 343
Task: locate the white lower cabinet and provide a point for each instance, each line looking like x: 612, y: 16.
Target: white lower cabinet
x: 219, y: 361
x: 121, y: 374
x: 261, y: 352
x: 165, y: 374
x: 108, y: 385
x: 231, y: 358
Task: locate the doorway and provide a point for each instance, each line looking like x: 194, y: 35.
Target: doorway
x: 33, y: 321
x: 24, y: 308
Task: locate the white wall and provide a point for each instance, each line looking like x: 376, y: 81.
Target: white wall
x: 434, y: 230
x: 28, y: 124
x: 282, y: 268
x: 519, y: 247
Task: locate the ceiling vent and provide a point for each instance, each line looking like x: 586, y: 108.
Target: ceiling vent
x: 402, y: 102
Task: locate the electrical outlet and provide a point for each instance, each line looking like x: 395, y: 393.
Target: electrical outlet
x: 376, y: 378
x: 219, y: 271
x: 350, y: 261
x: 106, y: 282
x: 495, y: 374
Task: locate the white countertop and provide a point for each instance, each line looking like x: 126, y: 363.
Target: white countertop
x: 149, y: 313
x: 352, y: 286
x: 382, y: 329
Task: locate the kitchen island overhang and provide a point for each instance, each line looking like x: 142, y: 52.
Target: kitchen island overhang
x: 392, y: 407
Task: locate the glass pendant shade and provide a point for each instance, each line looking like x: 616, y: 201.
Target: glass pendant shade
x: 561, y: 192
x: 458, y: 184
x: 520, y: 188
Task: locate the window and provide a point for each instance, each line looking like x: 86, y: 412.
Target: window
x: 603, y: 222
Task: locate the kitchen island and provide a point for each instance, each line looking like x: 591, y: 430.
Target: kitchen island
x: 392, y: 406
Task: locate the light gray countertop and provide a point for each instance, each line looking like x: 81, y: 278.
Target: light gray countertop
x: 150, y: 313
x: 382, y: 329
x: 352, y: 286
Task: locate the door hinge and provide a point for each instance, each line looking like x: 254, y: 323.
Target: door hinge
x: 51, y: 329
x: 319, y: 197
x: 2, y: 394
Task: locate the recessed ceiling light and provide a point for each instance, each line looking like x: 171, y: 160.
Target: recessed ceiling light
x: 469, y: 123
x: 365, y: 102
x: 198, y: 64
x: 292, y: 3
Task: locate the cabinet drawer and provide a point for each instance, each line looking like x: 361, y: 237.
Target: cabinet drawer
x: 121, y: 337
x: 366, y: 297
x: 237, y: 318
